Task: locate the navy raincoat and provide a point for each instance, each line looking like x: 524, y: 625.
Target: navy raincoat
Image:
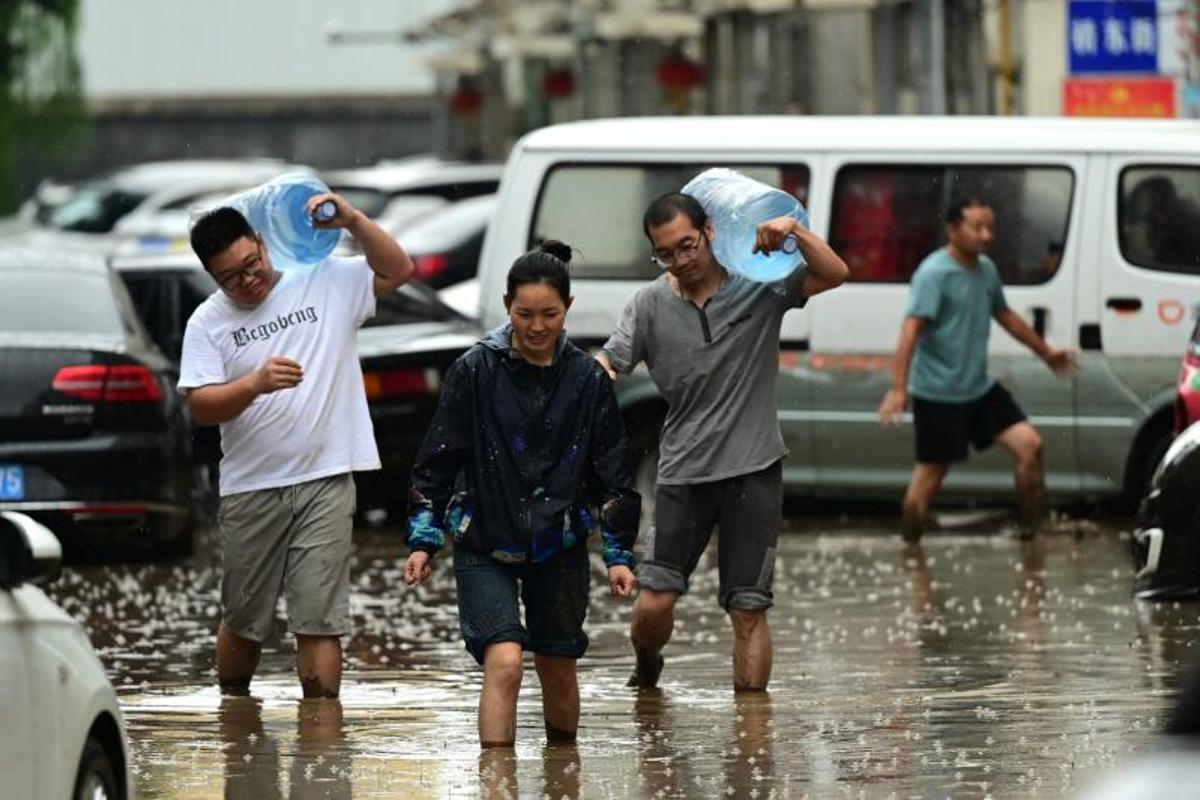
x: 521, y: 462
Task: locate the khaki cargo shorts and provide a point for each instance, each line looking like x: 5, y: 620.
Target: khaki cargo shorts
x: 293, y: 540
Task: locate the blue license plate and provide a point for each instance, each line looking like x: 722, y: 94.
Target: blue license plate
x: 12, y: 482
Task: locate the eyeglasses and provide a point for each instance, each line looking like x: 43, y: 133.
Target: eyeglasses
x: 685, y: 252
x: 234, y: 279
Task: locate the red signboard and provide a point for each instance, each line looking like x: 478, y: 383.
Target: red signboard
x: 1119, y: 97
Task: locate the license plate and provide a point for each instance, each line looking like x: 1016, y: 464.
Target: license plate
x: 12, y: 482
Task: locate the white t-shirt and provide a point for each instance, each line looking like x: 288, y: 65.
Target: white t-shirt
x: 321, y: 427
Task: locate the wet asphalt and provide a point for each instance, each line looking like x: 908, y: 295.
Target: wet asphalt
x: 973, y: 665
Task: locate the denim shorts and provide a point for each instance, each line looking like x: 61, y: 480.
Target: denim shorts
x: 554, y: 593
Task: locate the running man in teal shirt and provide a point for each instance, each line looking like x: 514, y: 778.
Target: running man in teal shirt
x: 956, y: 292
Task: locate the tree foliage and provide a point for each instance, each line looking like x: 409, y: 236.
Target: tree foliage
x: 42, y: 116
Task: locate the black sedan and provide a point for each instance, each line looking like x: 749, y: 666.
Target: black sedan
x: 94, y: 440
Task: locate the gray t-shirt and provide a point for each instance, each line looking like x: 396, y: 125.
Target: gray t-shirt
x: 716, y: 367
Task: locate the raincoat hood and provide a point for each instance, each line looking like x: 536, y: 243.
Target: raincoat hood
x: 500, y: 340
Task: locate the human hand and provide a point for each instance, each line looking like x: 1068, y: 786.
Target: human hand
x: 621, y: 580
x: 1062, y: 362
x: 772, y: 233
x: 345, y: 216
x: 608, y: 367
x: 417, y: 568
x: 892, y: 407
x: 277, y: 373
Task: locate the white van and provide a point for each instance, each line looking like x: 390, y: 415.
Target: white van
x: 1097, y: 239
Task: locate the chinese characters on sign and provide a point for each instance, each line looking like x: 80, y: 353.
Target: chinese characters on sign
x: 1124, y: 56
x: 1113, y: 36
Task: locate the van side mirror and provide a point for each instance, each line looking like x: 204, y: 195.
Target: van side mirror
x: 29, y: 552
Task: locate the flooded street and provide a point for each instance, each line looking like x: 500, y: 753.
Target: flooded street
x: 975, y: 665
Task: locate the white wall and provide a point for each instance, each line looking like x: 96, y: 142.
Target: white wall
x: 182, y: 48
x: 1044, y: 48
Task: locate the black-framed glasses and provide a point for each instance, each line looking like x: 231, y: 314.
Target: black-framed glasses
x: 234, y: 279
x: 685, y: 252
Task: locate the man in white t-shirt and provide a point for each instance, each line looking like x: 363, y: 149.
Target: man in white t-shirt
x: 271, y: 358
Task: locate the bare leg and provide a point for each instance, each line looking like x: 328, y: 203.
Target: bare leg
x: 237, y: 658
x: 653, y: 620
x: 502, y: 672
x: 1024, y: 444
x: 560, y: 696
x: 319, y: 665
x: 752, y: 650
x: 926, y: 480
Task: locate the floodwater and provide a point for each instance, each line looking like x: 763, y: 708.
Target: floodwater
x: 974, y: 665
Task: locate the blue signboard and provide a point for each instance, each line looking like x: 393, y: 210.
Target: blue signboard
x: 1112, y: 36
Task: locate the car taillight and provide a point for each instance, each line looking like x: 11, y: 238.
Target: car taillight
x: 100, y: 383
x: 430, y: 265
x: 405, y: 382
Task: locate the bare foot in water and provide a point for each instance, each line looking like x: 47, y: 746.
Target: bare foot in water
x: 645, y: 674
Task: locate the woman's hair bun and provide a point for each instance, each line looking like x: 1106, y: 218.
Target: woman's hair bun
x: 557, y: 249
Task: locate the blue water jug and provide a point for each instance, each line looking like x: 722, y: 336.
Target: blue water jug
x: 737, y: 205
x: 276, y: 209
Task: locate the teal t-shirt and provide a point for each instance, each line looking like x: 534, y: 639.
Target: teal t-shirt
x: 958, y: 304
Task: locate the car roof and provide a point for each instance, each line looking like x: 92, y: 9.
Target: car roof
x: 453, y: 223
x: 156, y: 176
x: 44, y: 259
x: 157, y: 261
x: 413, y: 175
x: 789, y: 134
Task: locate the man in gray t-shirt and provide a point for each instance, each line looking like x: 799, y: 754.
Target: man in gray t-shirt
x: 710, y: 339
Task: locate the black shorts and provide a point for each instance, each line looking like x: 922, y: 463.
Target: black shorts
x: 554, y: 593
x: 944, y: 429
x: 746, y: 508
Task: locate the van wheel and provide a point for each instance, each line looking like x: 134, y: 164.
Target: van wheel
x: 96, y: 779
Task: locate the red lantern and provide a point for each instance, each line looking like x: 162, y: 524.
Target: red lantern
x: 677, y: 73
x: 558, y: 83
x: 466, y: 99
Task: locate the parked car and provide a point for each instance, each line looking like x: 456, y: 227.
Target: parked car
x: 63, y: 734
x: 1166, y: 539
x: 1187, y: 391
x: 144, y: 208
x: 1097, y: 229
x: 165, y: 290
x: 445, y: 245
x: 404, y: 351
x: 49, y: 195
x: 94, y: 441
x: 397, y: 194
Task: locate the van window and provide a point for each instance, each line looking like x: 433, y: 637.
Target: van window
x: 888, y: 217
x: 597, y: 209
x: 1159, y: 217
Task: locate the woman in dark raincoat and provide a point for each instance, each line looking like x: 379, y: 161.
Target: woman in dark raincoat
x: 525, y: 455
